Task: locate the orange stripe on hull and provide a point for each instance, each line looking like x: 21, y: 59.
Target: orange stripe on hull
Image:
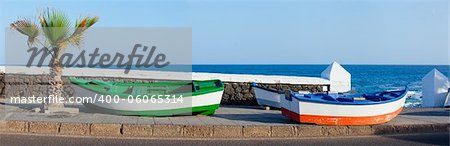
x: 340, y: 120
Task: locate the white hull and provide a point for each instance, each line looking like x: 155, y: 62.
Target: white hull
x: 447, y: 99
x: 123, y: 104
x: 268, y: 98
x: 322, y: 109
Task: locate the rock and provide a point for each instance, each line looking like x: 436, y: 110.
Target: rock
x: 239, y: 96
x: 238, y: 90
x: 229, y: 90
x: 235, y: 85
x: 245, y: 86
x: 285, y: 87
x: 248, y: 96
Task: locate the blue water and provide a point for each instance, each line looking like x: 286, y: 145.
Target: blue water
x: 365, y: 78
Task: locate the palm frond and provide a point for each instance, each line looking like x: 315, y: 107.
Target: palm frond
x: 26, y: 27
x: 76, y: 39
x: 55, y: 26
x: 80, y: 27
x: 84, y: 24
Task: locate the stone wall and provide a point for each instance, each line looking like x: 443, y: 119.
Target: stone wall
x: 235, y: 93
x: 242, y: 93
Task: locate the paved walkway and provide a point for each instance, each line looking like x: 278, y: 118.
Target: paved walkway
x: 225, y: 115
x: 253, y: 120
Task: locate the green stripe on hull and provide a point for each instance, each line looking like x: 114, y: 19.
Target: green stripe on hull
x: 203, y: 110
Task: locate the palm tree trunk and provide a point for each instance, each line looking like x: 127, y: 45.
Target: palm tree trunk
x: 56, y: 87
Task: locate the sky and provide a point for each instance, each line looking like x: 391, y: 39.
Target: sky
x: 277, y: 31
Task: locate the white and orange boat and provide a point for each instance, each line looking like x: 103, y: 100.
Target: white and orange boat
x: 340, y: 109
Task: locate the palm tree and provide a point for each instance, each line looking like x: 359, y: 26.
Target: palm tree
x: 56, y: 29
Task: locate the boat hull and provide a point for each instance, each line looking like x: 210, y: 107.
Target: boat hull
x: 340, y: 120
x: 447, y: 99
x: 338, y: 114
x: 205, y: 104
x: 268, y: 98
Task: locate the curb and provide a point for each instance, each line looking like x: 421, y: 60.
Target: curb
x: 211, y: 131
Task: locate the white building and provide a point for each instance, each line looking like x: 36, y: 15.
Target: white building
x: 434, y: 89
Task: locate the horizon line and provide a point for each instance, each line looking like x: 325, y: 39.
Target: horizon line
x: 321, y: 64
x: 299, y: 64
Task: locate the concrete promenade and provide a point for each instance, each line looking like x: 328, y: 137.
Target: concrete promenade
x: 228, y: 122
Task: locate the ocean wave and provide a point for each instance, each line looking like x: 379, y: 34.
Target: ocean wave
x: 413, y: 99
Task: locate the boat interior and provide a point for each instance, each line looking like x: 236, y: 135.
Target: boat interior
x: 139, y: 88
x: 351, y: 98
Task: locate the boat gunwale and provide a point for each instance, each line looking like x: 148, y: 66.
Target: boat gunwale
x: 184, y: 94
x: 298, y: 97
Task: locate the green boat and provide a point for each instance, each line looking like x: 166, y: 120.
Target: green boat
x: 150, y: 99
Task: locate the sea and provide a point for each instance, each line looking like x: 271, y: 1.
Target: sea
x: 365, y: 78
